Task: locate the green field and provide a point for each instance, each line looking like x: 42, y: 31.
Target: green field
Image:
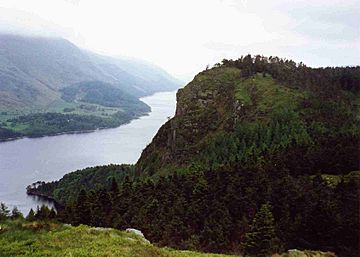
x: 82, y: 107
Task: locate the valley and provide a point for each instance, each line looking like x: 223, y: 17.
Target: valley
x: 49, y: 86
x: 49, y: 158
x: 260, y: 157
x: 209, y: 128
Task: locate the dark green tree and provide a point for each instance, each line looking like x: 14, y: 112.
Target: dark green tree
x: 16, y: 214
x: 82, y: 209
x: 31, y: 215
x: 261, y: 240
x: 4, y: 212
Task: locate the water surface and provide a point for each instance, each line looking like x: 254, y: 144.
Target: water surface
x: 27, y: 160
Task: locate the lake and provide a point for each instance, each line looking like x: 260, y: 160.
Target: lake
x: 28, y: 160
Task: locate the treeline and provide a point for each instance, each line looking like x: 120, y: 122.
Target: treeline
x: 51, y: 123
x: 41, y: 213
x: 104, y: 94
x: 230, y: 210
x: 7, y: 133
x: 320, y: 124
x: 298, y: 74
x: 67, y: 188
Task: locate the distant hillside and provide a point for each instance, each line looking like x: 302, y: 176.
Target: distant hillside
x: 33, y: 69
x: 141, y: 78
x: 41, y: 75
x: 97, y: 92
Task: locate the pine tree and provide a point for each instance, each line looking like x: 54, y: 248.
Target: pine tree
x: 261, y: 240
x: 114, y: 188
x: 42, y: 213
x: 16, y: 214
x: 31, y: 215
x: 4, y: 212
x: 82, y: 212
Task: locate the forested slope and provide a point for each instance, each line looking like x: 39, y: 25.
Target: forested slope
x: 260, y: 157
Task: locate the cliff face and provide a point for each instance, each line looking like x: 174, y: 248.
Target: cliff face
x: 204, y: 106
x: 214, y: 102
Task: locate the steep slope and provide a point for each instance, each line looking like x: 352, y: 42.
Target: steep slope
x: 141, y: 78
x: 225, y: 117
x: 44, y: 79
x: 33, y: 69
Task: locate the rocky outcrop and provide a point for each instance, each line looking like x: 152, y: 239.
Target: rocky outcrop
x: 204, y: 106
x: 138, y: 233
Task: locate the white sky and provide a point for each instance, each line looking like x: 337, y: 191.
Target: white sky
x: 183, y: 36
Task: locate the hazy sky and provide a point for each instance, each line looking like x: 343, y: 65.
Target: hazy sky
x: 183, y: 36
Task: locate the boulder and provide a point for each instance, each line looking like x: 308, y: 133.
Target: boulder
x: 135, y: 231
x: 138, y: 233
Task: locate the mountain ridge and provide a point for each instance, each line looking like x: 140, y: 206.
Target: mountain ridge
x: 33, y: 68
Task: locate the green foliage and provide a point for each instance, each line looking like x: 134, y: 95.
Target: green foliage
x: 247, y: 132
x: 90, y: 106
x: 67, y: 189
x: 261, y: 239
x: 37, y: 239
x: 16, y: 214
x: 215, y: 210
x: 40, y: 124
x: 266, y: 111
x: 31, y: 215
x: 8, y: 134
x: 4, y: 212
x: 97, y: 92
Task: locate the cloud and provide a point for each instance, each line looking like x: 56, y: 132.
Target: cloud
x: 183, y: 36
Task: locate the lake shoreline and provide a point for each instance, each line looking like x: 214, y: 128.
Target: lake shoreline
x: 72, y: 132
x: 26, y: 160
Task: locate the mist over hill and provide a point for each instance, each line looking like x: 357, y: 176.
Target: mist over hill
x: 33, y: 69
x: 101, y: 91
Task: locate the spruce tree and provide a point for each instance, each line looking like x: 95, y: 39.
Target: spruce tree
x: 4, y: 212
x: 82, y: 209
x: 31, y: 215
x: 16, y: 214
x: 261, y: 240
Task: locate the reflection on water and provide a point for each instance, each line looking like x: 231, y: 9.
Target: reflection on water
x: 28, y: 160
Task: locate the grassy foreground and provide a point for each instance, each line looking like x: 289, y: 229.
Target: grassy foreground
x: 20, y: 238
x: 52, y: 239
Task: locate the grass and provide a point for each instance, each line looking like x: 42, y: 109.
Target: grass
x: 82, y: 108
x: 39, y: 239
x: 306, y: 253
x: 18, y: 238
x: 264, y: 95
x: 59, y: 106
